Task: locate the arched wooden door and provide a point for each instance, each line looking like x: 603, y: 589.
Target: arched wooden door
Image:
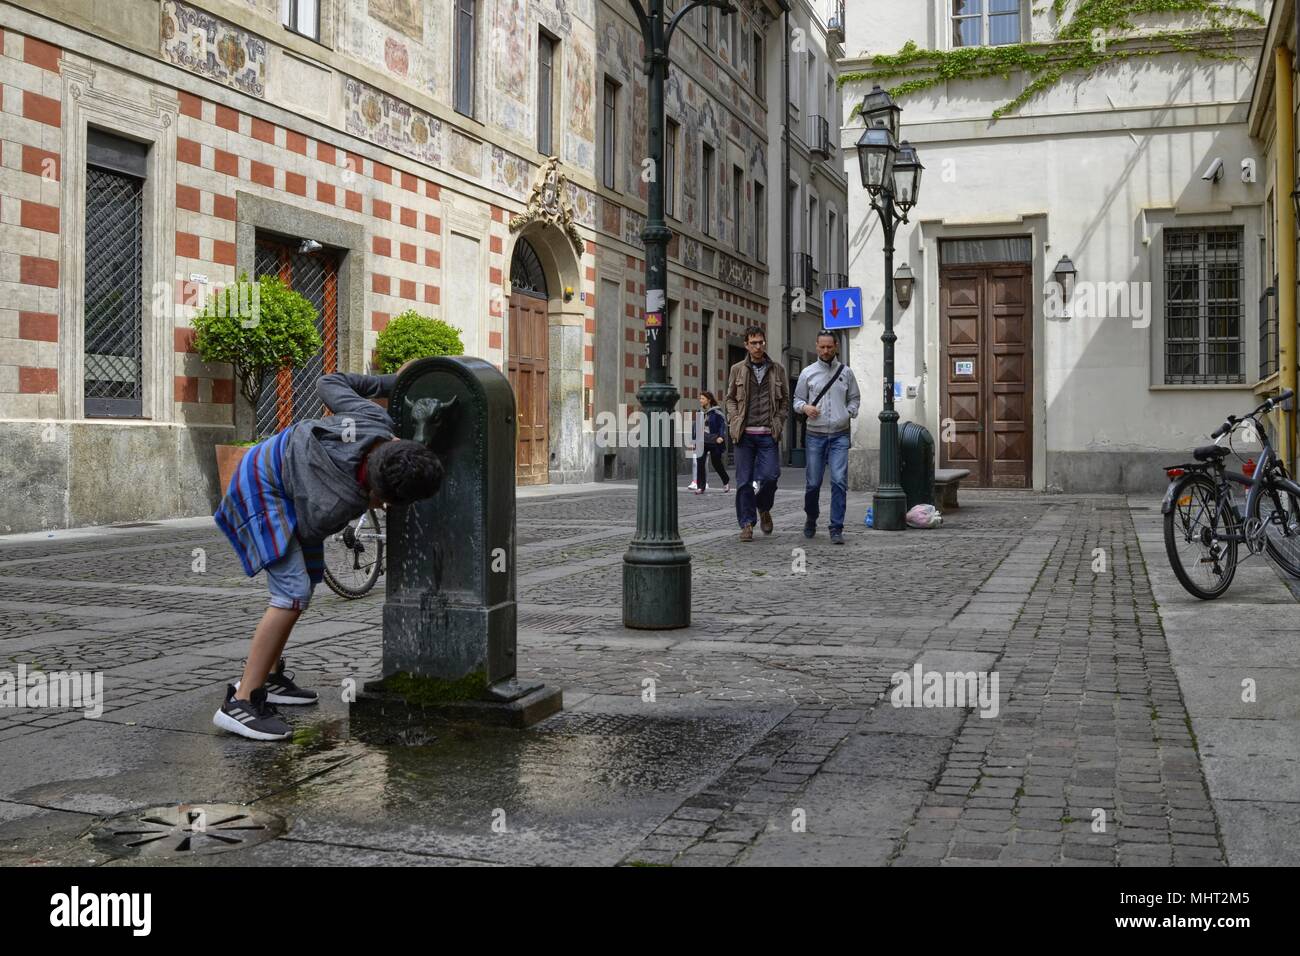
x: 529, y: 365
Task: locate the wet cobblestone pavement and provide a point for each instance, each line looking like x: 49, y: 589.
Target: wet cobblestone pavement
x: 771, y: 738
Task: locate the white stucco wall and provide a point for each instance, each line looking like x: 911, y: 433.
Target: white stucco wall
x: 1093, y: 169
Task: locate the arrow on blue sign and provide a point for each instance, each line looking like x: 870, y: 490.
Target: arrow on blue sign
x: 842, y: 308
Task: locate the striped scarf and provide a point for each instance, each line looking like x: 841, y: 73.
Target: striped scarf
x: 257, y: 514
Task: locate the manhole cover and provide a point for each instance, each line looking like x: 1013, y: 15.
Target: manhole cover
x: 186, y: 830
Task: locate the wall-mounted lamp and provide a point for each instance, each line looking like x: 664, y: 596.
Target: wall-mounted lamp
x: 904, y: 285
x: 568, y: 293
x: 1065, y: 274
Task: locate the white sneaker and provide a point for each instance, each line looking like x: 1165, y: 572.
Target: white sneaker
x: 692, y: 487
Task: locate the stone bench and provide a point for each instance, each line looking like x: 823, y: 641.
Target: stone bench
x: 946, y: 482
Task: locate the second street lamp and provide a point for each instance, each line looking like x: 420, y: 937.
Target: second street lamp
x: 656, y: 565
x: 891, y: 175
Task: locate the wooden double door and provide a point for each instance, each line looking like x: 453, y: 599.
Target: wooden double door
x: 529, y: 371
x: 986, y: 400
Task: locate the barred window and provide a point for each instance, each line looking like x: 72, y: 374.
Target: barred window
x: 114, y: 276
x: 1204, y: 342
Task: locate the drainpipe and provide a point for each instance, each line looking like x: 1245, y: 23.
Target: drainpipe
x: 1286, y: 243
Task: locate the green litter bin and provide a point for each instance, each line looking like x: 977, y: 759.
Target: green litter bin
x: 916, y: 464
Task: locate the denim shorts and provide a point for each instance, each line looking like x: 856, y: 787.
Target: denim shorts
x: 287, y: 579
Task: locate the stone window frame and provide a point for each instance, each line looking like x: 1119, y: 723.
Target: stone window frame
x: 256, y: 214
x: 943, y: 16
x: 98, y: 95
x: 1249, y: 218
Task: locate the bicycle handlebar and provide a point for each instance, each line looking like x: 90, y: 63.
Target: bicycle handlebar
x: 1269, y: 404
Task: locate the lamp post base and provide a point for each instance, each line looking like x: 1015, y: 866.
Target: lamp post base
x: 889, y: 507
x: 656, y: 596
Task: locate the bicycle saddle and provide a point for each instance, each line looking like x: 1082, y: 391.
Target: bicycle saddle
x: 1209, y: 452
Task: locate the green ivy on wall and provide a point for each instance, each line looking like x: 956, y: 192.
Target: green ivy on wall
x: 1097, y: 34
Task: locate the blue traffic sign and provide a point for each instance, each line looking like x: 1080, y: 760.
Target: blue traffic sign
x: 842, y: 308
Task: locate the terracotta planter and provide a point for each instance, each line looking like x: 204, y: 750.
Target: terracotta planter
x: 228, y: 459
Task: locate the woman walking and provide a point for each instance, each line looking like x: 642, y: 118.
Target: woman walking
x: 715, y: 427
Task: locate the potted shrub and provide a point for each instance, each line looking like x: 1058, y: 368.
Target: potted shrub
x: 256, y: 328
x: 411, y: 336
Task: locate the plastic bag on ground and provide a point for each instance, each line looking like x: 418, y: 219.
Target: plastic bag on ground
x: 924, y: 516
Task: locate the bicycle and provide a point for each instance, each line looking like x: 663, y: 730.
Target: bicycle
x: 354, y: 558
x: 1205, y: 526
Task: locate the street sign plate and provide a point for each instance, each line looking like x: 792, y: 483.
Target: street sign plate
x: 842, y: 308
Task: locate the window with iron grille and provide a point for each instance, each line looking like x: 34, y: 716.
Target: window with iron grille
x: 1268, y: 339
x: 289, y: 395
x: 114, y: 277
x: 1204, y: 341
x: 466, y: 28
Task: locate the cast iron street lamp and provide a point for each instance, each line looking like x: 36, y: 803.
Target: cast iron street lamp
x: 657, y: 566
x: 891, y: 174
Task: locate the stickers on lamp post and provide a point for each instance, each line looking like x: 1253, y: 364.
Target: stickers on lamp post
x: 655, y: 300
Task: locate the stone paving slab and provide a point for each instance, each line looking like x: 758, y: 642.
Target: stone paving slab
x: 770, y: 738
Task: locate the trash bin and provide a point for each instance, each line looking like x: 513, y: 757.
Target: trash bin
x: 916, y: 464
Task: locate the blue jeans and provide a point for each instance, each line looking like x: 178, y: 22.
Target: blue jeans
x: 756, y: 460
x: 823, y: 448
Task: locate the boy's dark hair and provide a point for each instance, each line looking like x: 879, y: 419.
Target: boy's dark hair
x: 404, y: 471
x: 754, y: 330
x: 709, y: 395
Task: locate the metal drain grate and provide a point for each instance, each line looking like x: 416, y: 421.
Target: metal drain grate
x: 190, y: 829
x: 138, y: 524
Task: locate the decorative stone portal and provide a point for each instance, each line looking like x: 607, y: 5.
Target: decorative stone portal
x: 545, y: 276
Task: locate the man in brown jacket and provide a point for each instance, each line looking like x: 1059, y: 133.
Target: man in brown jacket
x: 757, y: 405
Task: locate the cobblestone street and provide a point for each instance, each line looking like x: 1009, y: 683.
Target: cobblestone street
x: 770, y: 739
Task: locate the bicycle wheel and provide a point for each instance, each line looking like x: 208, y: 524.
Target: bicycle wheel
x: 1279, y: 512
x: 354, y: 557
x: 1203, y: 563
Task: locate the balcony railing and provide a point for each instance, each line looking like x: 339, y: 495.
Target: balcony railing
x: 835, y: 21
x: 819, y: 136
x: 802, y: 274
x: 834, y: 280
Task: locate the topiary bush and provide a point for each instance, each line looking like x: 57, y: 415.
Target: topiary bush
x: 257, y: 327
x: 412, y: 336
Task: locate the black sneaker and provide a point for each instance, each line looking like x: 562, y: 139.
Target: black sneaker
x: 254, y: 719
x: 809, y: 529
x: 837, y: 536
x: 280, y: 688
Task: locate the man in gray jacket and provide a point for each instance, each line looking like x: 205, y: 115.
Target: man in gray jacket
x: 827, y: 395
